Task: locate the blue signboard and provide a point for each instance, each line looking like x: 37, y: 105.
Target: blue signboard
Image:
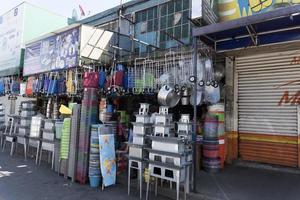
x: 54, y: 53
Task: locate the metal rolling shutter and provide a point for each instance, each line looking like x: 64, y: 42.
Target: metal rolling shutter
x: 268, y: 131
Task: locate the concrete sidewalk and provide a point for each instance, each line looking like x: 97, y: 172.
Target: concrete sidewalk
x: 25, y: 181
x: 251, y: 182
x: 20, y: 180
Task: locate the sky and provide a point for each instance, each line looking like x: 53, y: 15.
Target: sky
x: 64, y: 7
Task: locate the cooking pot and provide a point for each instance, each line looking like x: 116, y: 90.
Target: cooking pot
x: 167, y: 96
x: 185, y: 96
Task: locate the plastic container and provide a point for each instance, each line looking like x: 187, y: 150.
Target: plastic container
x: 94, y: 181
x: 58, y: 129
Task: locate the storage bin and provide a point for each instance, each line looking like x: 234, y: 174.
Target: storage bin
x: 94, y: 181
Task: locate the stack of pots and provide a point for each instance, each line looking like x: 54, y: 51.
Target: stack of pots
x: 211, y: 160
x: 94, y: 162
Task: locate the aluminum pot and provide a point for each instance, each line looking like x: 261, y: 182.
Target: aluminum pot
x: 185, y: 99
x: 168, y: 97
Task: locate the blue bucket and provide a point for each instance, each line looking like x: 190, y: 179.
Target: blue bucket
x: 94, y: 181
x: 110, y: 108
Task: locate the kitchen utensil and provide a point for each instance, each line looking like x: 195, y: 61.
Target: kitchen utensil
x: 167, y: 96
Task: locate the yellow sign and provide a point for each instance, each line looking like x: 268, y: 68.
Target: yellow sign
x: 234, y: 9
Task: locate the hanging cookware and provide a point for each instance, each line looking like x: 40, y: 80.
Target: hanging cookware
x: 212, y: 94
x: 185, y: 96
x: 167, y: 96
x: 212, y: 89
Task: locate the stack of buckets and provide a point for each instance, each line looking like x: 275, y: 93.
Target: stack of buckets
x: 94, y: 163
x: 214, y: 139
x: 89, y: 116
x: 105, y: 111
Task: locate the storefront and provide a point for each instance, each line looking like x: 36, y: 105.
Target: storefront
x: 262, y: 85
x: 18, y: 26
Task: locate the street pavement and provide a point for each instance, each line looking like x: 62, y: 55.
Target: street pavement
x: 20, y: 180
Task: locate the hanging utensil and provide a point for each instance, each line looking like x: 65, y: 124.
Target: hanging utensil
x: 167, y: 96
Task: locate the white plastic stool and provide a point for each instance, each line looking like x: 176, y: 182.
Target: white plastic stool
x: 136, y: 164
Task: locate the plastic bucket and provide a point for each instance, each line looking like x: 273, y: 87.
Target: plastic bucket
x: 211, y: 149
x: 211, y: 165
x: 222, y: 150
x: 94, y: 181
x: 211, y: 127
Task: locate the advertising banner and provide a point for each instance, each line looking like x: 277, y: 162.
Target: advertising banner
x: 11, y: 25
x: 54, y: 53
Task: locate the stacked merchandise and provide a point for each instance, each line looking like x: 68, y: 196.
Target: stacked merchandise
x: 35, y: 130
x: 105, y: 111
x: 89, y: 116
x: 94, y: 163
x: 211, y: 159
x: 170, y: 156
x: 48, y: 138
x: 58, y: 132
x: 141, y: 129
x: 65, y: 146
x: 75, y: 121
x: 214, y: 139
x: 49, y: 130
x: 185, y: 132
x: 138, y: 154
x: 27, y: 112
x: 2, y: 117
x: 121, y: 145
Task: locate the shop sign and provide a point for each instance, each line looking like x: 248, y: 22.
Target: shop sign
x: 293, y: 99
x: 288, y: 98
x: 296, y: 60
x: 11, y: 25
x: 54, y: 53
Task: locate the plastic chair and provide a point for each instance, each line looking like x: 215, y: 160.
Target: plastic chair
x: 47, y: 142
x: 10, y: 132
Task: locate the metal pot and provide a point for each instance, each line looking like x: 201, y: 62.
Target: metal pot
x: 167, y: 96
x: 185, y: 99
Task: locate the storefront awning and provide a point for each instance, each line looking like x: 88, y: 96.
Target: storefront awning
x: 277, y: 26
